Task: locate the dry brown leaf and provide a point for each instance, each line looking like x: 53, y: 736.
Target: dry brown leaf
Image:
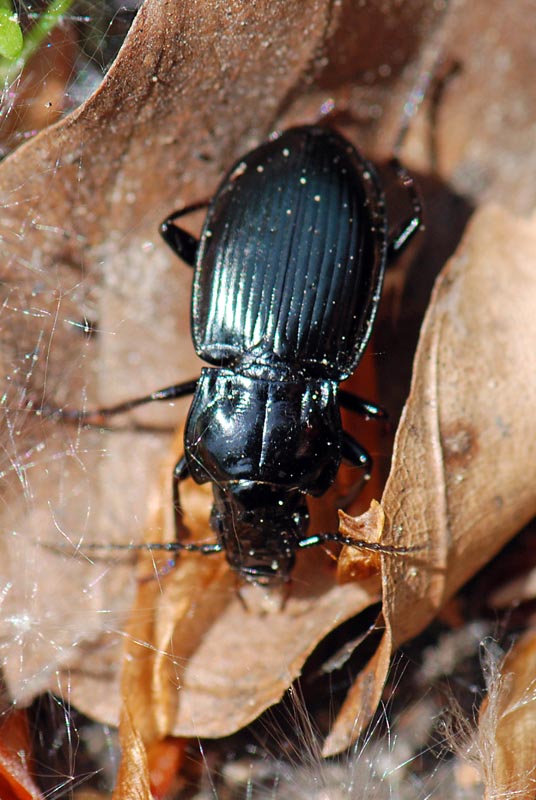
x: 37, y: 98
x: 243, y: 661
x: 133, y: 777
x: 485, y: 123
x: 81, y: 204
x: 203, y: 659
x: 463, y: 477
x: 442, y: 500
x: 195, y: 84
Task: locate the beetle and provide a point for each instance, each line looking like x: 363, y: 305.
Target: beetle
x: 288, y: 273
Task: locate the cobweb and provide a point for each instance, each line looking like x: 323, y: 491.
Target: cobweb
x: 56, y: 603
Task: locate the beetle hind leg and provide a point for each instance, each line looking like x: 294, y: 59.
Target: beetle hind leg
x: 181, y: 242
x: 400, y: 237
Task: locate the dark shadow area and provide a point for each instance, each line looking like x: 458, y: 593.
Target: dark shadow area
x: 408, y: 287
x: 70, y: 751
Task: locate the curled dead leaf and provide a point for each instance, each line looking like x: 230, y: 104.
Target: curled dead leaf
x: 463, y: 476
x: 81, y: 204
x: 94, y: 309
x: 202, y: 662
x: 133, y: 777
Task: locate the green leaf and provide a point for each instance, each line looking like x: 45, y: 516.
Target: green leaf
x: 11, y: 41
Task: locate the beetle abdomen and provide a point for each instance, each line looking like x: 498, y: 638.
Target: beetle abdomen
x: 291, y: 257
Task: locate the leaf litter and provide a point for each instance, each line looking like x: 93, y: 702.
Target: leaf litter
x: 140, y: 146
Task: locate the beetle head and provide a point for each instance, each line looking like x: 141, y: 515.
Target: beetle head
x: 259, y: 526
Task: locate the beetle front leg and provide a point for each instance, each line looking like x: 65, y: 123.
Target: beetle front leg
x: 181, y: 242
x: 180, y: 473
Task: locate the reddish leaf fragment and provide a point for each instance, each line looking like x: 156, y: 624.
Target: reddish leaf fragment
x: 355, y: 563
x: 16, y: 766
x: 164, y: 759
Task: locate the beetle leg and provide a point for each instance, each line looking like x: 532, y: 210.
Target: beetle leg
x: 97, y: 416
x: 180, y: 473
x: 181, y: 242
x: 353, y: 452
x: 353, y: 402
x: 403, y: 234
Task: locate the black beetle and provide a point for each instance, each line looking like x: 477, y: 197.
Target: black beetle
x: 288, y: 274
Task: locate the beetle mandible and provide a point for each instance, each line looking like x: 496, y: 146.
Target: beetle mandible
x: 288, y: 273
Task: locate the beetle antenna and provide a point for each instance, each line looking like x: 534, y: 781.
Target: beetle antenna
x: 167, y: 547
x: 361, y: 544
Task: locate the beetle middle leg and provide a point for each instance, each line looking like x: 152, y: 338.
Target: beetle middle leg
x: 357, y: 404
x: 356, y: 454
x: 97, y: 416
